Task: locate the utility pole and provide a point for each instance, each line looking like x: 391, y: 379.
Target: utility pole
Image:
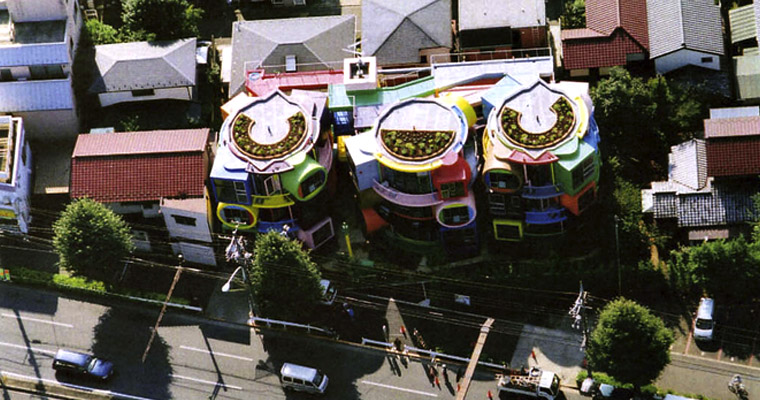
x: 617, y: 256
x: 236, y: 251
x: 580, y: 320
x: 163, y: 308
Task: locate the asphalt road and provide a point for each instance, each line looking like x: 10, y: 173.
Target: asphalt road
x: 194, y: 358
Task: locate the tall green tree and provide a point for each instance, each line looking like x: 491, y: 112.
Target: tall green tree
x: 101, y: 33
x: 284, y: 280
x: 573, y: 14
x: 629, y: 343
x: 91, y: 240
x: 160, y: 19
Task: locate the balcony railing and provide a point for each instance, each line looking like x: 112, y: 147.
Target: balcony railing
x: 405, y: 199
x: 544, y: 217
x: 541, y: 192
x: 466, y: 56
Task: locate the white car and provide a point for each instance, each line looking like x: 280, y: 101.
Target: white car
x: 704, y: 325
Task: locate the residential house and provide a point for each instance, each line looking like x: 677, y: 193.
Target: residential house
x: 496, y: 26
x: 615, y: 34
x: 684, y: 32
x: 541, y: 160
x: 146, y: 175
x: 711, y: 181
x: 398, y: 32
x: 418, y: 164
x: 15, y: 176
x: 38, y: 41
x: 745, y: 33
x: 145, y: 71
x: 289, y: 45
x: 273, y: 167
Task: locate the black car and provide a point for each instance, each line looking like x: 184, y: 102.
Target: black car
x: 82, y: 364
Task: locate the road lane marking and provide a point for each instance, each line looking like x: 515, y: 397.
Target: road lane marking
x: 216, y: 353
x: 206, y: 382
x: 85, y: 388
x: 38, y: 320
x: 400, y: 388
x: 48, y: 352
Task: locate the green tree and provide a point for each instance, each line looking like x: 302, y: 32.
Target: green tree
x: 160, y: 19
x: 574, y: 14
x: 629, y: 343
x: 91, y: 240
x: 101, y: 33
x: 284, y: 280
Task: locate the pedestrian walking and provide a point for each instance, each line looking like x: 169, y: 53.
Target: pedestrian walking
x: 385, y: 332
x: 445, y: 375
x: 459, y: 374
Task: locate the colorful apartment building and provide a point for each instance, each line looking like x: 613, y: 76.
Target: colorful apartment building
x: 15, y: 176
x: 540, y: 159
x: 414, y: 171
x: 272, y: 166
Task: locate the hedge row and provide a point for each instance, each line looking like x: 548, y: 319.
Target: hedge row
x: 648, y: 391
x: 81, y: 284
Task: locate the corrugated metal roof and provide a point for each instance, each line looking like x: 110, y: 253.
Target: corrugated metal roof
x: 18, y: 55
x: 481, y: 14
x: 732, y: 127
x: 145, y: 65
x: 144, y: 142
x: 742, y: 21
x: 44, y: 95
x: 748, y: 76
x: 733, y: 112
x: 684, y: 24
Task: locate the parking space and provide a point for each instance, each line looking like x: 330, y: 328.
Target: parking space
x: 731, y: 344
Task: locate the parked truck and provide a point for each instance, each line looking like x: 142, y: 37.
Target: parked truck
x: 533, y: 383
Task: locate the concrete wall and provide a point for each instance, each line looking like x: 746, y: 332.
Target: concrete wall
x: 179, y: 93
x: 684, y: 57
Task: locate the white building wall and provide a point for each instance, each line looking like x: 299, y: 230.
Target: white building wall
x: 200, y: 231
x: 180, y: 93
x: 195, y: 253
x: 36, y: 10
x: 684, y: 57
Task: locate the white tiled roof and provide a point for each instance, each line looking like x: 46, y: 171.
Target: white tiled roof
x: 679, y: 24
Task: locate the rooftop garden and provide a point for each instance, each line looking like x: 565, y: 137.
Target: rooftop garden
x: 241, y: 132
x: 510, y: 123
x: 415, y: 145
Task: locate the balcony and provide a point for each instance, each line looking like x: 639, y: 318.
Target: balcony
x: 541, y: 192
x: 404, y: 199
x: 544, y: 217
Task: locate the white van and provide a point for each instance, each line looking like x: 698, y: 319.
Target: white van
x: 303, y: 379
x: 704, y: 325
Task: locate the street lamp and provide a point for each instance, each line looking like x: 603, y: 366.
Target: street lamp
x: 226, y: 286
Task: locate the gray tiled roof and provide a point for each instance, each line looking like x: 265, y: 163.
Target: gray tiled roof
x: 41, y: 95
x: 395, y: 30
x: 480, y: 14
x: 16, y: 55
x: 742, y: 21
x: 314, y: 40
x: 684, y: 24
x: 757, y: 18
x: 144, y: 65
x: 723, y: 205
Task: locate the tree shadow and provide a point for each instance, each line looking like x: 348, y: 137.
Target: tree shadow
x: 121, y: 336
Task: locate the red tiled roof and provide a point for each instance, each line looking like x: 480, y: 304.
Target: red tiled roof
x: 597, y: 52
x: 633, y: 18
x: 733, y: 157
x: 732, y: 127
x: 583, y: 33
x: 144, y: 142
x: 307, y: 80
x: 606, y: 15
x: 602, y: 15
x: 171, y: 164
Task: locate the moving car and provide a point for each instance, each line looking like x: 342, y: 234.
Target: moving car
x: 82, y: 364
x: 704, y: 326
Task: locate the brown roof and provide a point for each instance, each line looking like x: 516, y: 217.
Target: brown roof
x: 144, y: 142
x: 580, y: 33
x: 606, y: 15
x: 733, y: 157
x: 732, y: 127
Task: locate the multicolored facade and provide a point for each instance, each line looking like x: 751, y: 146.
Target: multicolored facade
x: 414, y: 171
x: 272, y: 166
x: 541, y: 160
x: 15, y: 176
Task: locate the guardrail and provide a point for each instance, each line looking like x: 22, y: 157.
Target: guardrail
x: 285, y: 324
x: 465, y: 56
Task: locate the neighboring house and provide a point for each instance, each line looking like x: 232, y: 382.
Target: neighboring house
x: 711, y: 181
x: 406, y: 31
x: 615, y: 34
x: 144, y: 71
x: 684, y: 32
x: 15, y: 176
x: 541, y: 160
x: 418, y: 163
x: 289, y: 45
x: 745, y: 33
x: 488, y: 25
x: 144, y: 175
x: 272, y: 167
x: 38, y: 40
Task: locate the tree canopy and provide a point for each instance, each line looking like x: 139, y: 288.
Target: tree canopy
x: 574, y: 14
x: 160, y: 19
x: 101, y: 33
x: 629, y: 343
x: 91, y: 240
x: 284, y: 280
